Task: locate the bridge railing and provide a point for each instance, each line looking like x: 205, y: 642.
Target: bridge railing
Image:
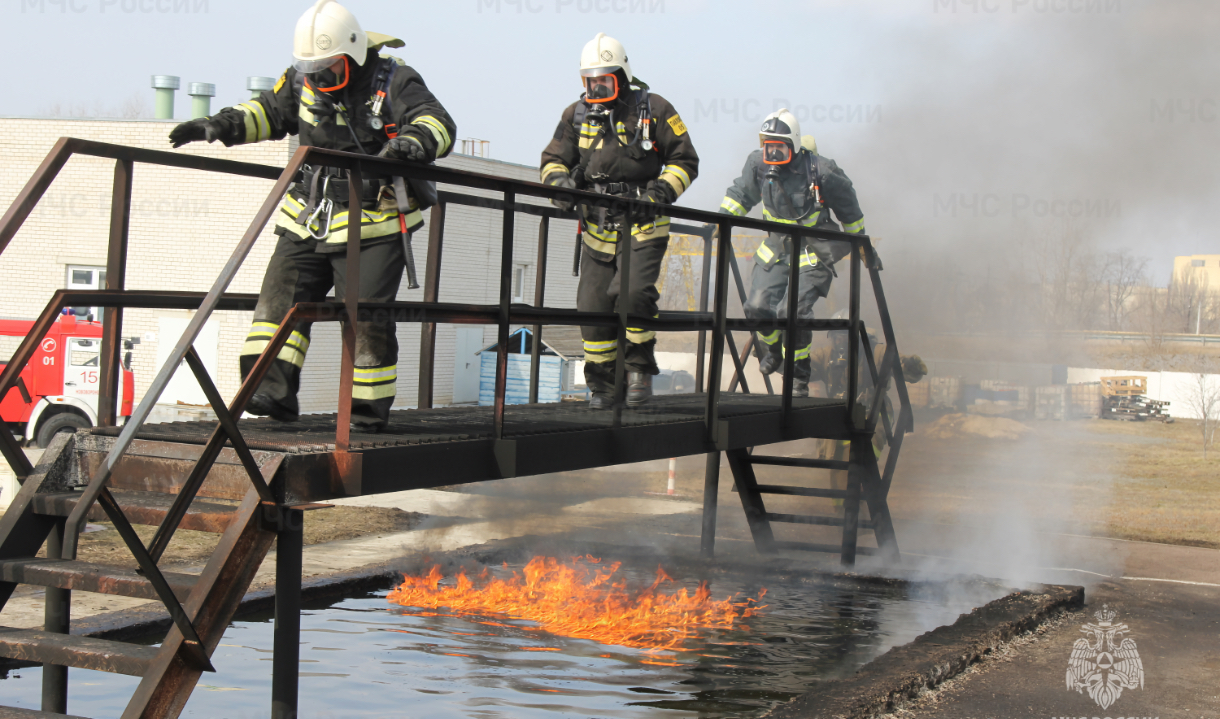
x: 711, y: 323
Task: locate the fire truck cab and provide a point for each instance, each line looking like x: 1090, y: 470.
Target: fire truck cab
x: 58, y: 390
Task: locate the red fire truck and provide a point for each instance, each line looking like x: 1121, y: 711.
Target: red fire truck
x: 58, y: 390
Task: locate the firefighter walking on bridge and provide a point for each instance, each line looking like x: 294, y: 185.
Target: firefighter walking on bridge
x: 624, y: 141
x: 796, y: 186
x: 339, y: 94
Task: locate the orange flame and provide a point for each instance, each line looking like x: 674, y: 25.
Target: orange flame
x: 581, y: 600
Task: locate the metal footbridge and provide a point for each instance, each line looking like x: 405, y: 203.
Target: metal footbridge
x: 175, y: 476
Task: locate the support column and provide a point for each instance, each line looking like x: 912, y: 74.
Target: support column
x: 711, y: 492
x: 286, y: 659
x: 57, y: 619
x: 851, y: 504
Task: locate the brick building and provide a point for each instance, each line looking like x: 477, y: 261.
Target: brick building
x: 184, y: 225
x: 1203, y: 269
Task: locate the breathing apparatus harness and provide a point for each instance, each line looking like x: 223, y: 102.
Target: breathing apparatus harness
x: 424, y: 191
x: 779, y: 203
x: 603, y: 118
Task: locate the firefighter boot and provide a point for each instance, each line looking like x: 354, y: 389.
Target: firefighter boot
x: 639, y: 388
x: 769, y: 362
x: 600, y: 380
x: 800, y: 387
x: 261, y: 405
x: 370, y: 428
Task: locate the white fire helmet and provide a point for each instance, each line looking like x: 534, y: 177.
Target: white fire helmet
x: 602, y: 56
x: 780, y: 137
x: 325, y: 32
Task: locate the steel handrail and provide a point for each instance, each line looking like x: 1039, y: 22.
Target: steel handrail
x: 381, y: 167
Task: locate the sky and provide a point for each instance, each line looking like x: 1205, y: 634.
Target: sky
x: 965, y: 125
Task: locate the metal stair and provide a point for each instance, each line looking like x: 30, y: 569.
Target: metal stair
x: 202, y: 605
x: 863, y: 484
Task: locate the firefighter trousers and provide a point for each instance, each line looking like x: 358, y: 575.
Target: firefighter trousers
x: 768, y: 300
x: 298, y: 273
x: 598, y: 291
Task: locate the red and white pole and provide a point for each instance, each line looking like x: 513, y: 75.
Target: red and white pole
x: 673, y: 469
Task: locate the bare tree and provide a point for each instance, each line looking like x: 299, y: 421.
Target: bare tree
x: 1071, y: 275
x: 1124, y: 273
x: 1203, y: 399
x: 1188, y: 295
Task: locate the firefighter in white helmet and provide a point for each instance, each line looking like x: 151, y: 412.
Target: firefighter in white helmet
x: 340, y: 94
x: 622, y: 140
x: 796, y: 186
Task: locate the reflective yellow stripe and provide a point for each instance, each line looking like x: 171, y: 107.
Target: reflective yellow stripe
x: 764, y: 253
x: 553, y: 167
x: 257, y: 126
x: 601, y: 352
x: 808, y: 260
x: 293, y: 351
x: 288, y: 354
x: 600, y: 240
x: 770, y: 338
x: 299, y: 341
x: 675, y: 182
x: 438, y: 131
x: 375, y: 224
x: 733, y: 206
x: 809, y: 221
x: 375, y: 382
x: 677, y: 178
x: 600, y: 346
x: 855, y: 227
x: 375, y: 375
x: 680, y: 173
x: 639, y: 337
x: 254, y: 347
x: 380, y: 391
x: 800, y: 354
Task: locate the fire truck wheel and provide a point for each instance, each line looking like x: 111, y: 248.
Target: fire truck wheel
x: 63, y: 422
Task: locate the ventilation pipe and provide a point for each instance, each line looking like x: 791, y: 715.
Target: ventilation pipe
x: 201, y: 98
x: 165, y: 85
x: 258, y: 85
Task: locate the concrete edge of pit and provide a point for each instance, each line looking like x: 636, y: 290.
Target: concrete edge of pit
x: 903, y: 673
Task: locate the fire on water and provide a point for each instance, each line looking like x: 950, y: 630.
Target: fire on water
x: 584, y: 600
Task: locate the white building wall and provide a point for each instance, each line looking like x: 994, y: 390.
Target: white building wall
x: 185, y: 224
x: 1180, y: 389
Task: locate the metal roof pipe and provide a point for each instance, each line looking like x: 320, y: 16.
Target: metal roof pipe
x: 163, y: 108
x: 201, y: 98
x: 258, y: 85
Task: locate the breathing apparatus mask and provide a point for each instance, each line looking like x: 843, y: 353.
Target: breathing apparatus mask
x: 777, y: 152
x: 602, y: 89
x: 327, y: 75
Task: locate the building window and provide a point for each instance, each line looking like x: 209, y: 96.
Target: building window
x: 83, y: 277
x: 519, y: 283
x: 1197, y: 263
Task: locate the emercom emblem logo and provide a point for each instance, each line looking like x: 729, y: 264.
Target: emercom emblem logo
x: 1106, y: 663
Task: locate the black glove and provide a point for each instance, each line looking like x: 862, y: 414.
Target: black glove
x: 658, y: 192
x: 564, y: 182
x: 193, y: 131
x: 406, y: 148
x: 913, y: 368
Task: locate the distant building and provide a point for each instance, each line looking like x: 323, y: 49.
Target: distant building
x: 1205, y: 267
x: 185, y: 224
